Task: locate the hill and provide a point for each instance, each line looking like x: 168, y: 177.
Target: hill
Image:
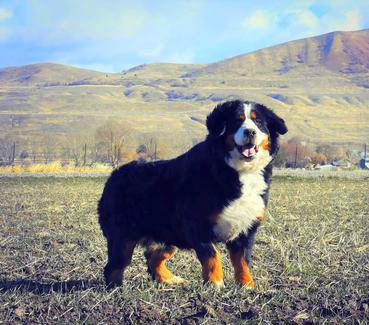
x: 345, y: 52
x: 319, y: 85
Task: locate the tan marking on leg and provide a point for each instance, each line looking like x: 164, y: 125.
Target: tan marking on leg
x: 157, y: 265
x: 242, y: 272
x: 212, y: 269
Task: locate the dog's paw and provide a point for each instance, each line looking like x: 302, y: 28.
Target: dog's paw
x: 217, y: 285
x: 113, y: 279
x: 173, y: 280
x: 248, y: 286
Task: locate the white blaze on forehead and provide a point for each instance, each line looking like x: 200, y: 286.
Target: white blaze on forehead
x: 249, y: 124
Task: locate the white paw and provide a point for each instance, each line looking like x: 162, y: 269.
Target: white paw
x: 218, y: 285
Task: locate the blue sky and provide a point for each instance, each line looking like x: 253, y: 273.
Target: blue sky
x: 113, y: 35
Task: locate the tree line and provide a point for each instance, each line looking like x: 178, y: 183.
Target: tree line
x: 297, y: 153
x: 113, y: 143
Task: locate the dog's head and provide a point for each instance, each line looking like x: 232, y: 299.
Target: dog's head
x: 248, y: 131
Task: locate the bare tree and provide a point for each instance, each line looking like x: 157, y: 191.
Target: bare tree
x: 151, y: 145
x: 110, y: 139
x: 48, y: 148
x: 155, y: 149
x: 7, y: 151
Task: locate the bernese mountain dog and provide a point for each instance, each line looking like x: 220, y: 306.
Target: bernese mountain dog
x: 216, y: 192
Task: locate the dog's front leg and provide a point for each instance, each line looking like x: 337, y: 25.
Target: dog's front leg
x: 212, y: 271
x: 240, y: 251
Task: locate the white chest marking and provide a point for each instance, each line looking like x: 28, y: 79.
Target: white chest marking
x: 240, y: 214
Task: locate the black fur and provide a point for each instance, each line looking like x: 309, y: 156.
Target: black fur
x: 173, y: 201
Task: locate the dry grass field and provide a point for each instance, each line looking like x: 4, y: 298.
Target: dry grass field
x: 311, y: 260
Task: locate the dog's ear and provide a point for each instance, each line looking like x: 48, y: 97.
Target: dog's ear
x: 275, y: 123
x: 216, y: 122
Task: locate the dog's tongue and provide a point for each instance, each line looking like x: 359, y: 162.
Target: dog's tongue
x: 249, y: 152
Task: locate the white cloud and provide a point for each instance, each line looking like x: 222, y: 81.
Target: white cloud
x: 306, y: 18
x: 87, y: 22
x: 287, y: 19
x: 347, y: 21
x: 5, y: 14
x: 353, y: 20
x: 260, y: 19
x: 299, y: 20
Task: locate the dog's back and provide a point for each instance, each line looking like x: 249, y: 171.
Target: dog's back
x: 133, y: 197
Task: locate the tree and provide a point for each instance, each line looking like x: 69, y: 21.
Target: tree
x: 296, y: 154
x: 155, y: 149
x: 48, y: 148
x: 318, y: 158
x: 280, y: 159
x: 331, y: 152
x: 110, y: 140
x: 7, y: 151
x: 78, y: 147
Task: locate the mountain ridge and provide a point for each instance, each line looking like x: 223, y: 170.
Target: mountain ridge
x: 309, y: 82
x: 325, y: 48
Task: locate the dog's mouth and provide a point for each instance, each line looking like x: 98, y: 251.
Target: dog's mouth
x: 248, y: 152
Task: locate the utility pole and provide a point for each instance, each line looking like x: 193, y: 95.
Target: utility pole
x: 13, y: 154
x: 155, y: 150
x: 295, y: 157
x: 84, y: 154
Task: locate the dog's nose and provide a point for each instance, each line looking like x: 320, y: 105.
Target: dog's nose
x: 249, y: 133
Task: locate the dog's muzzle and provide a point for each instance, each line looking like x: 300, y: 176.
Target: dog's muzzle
x: 247, y: 148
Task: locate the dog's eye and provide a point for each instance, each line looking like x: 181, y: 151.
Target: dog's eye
x: 253, y: 115
x: 242, y: 116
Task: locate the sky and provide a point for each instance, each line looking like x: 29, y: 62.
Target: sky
x: 113, y: 35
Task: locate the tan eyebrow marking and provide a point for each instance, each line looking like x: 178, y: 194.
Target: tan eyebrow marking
x: 252, y: 114
x: 243, y: 116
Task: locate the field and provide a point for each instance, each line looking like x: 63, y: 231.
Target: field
x: 311, y: 260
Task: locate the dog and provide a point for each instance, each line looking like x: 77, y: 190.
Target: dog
x: 216, y: 192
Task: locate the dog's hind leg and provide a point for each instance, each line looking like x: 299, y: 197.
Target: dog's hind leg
x: 211, y: 262
x: 156, y: 257
x: 119, y: 257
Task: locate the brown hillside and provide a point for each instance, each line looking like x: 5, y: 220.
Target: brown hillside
x: 319, y: 85
x: 50, y: 74
x: 339, y: 51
